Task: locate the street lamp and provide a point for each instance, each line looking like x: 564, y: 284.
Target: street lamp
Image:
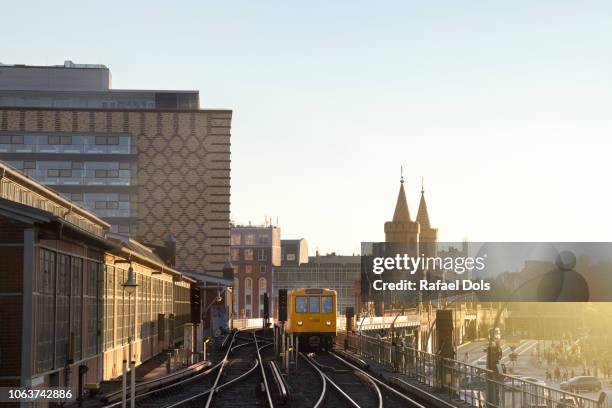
x: 129, y: 287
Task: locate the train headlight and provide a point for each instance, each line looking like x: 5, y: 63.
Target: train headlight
x: 328, y: 322
x: 300, y: 322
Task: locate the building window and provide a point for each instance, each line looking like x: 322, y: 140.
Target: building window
x: 235, y: 254
x: 263, y: 238
x: 66, y: 140
x: 101, y: 173
x: 53, y: 140
x: 236, y: 289
x: 262, y: 293
x: 77, y: 165
x: 262, y: 254
x: 109, y: 314
x: 59, y: 173
x: 76, y: 306
x: 248, y: 269
x: 62, y: 328
x: 248, y: 254
x: 91, y: 297
x: 263, y: 268
x: 29, y: 165
x: 124, y: 229
x: 44, y: 305
x: 248, y: 292
x: 249, y: 239
x: 124, y: 197
x: 124, y: 166
x: 77, y: 196
x: 107, y: 140
x: 235, y: 239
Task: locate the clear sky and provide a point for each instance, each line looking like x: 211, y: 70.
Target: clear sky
x: 505, y: 107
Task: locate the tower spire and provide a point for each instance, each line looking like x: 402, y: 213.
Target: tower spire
x: 401, y: 214
x: 402, y: 174
x: 422, y: 214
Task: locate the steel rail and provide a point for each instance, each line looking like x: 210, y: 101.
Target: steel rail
x: 263, y: 372
x: 193, y: 369
x: 222, y: 366
x: 329, y: 380
x: 167, y: 387
x: 221, y: 386
x: 387, y: 387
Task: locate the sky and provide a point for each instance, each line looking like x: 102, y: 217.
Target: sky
x: 504, y: 108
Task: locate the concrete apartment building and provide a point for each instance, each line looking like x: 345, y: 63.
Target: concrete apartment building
x: 255, y: 253
x: 150, y: 163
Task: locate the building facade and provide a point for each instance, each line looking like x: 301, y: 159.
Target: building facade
x: 294, y: 252
x: 63, y: 307
x: 336, y: 272
x: 150, y: 163
x: 255, y: 253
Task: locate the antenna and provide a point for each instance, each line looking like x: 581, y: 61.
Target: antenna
x: 402, y: 174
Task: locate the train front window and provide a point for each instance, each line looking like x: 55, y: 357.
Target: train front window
x: 301, y: 304
x: 328, y: 304
x: 314, y: 304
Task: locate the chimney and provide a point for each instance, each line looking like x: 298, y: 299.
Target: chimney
x: 170, y: 249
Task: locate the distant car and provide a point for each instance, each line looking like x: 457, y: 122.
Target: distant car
x: 536, y: 381
x: 581, y: 383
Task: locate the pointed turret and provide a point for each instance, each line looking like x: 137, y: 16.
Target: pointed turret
x: 401, y: 214
x: 423, y: 215
x: 401, y: 229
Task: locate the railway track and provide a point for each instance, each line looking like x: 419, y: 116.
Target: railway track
x: 246, y: 377
x: 237, y: 369
x: 240, y: 380
x: 343, y: 384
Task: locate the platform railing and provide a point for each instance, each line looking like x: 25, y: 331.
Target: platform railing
x: 254, y: 323
x: 470, y: 384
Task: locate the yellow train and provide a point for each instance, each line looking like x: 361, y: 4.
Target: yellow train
x: 312, y: 317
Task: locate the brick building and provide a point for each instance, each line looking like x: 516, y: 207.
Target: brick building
x: 148, y: 162
x: 255, y: 252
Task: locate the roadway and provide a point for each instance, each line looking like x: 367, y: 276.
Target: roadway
x: 525, y: 364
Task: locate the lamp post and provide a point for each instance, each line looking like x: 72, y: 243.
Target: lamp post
x: 130, y: 286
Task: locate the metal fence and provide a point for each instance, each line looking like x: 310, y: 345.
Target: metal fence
x: 475, y: 386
